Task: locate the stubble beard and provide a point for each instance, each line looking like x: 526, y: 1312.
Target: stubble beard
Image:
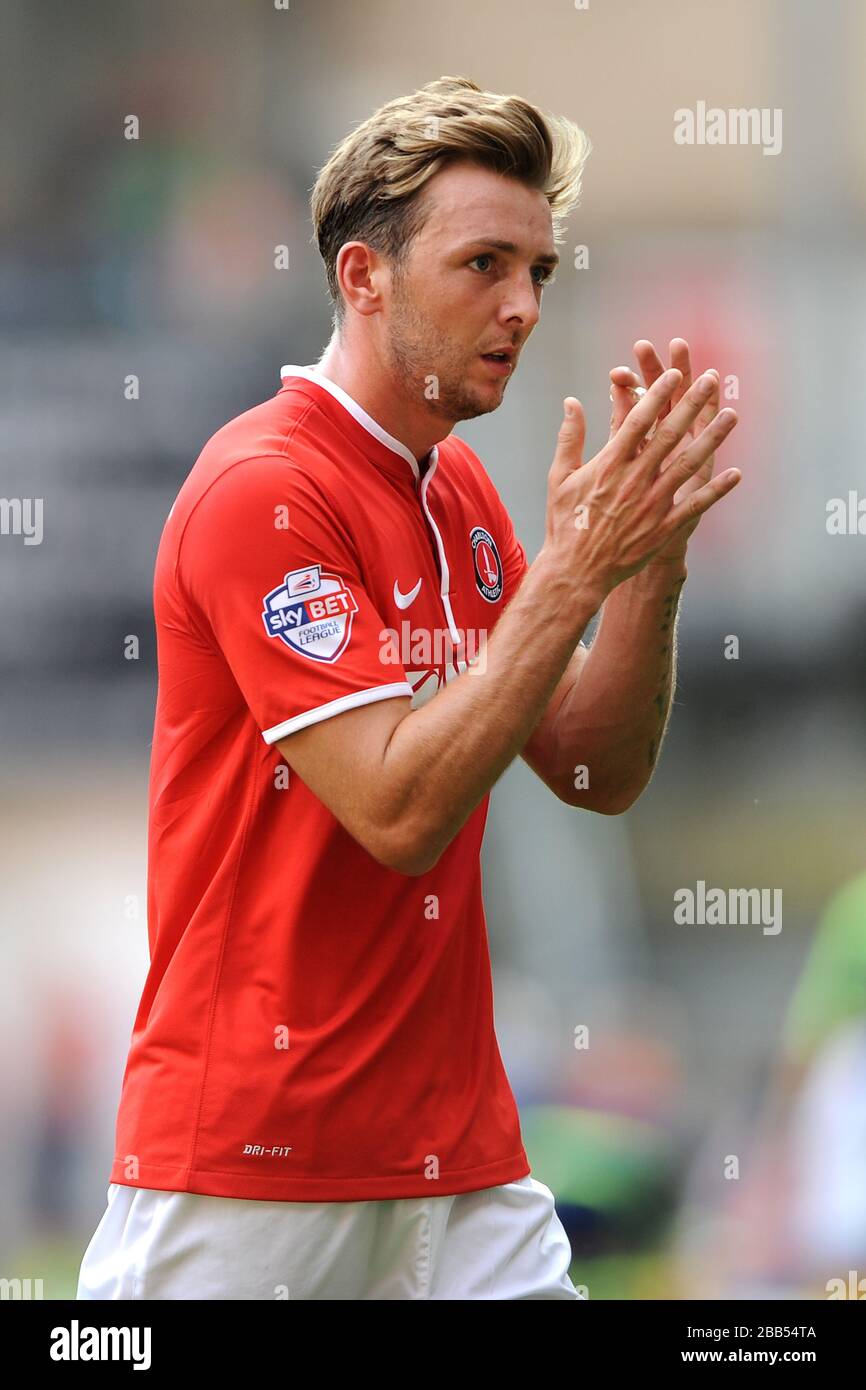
x: 427, y: 371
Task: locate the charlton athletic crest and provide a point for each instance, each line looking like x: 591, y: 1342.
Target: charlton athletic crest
x: 311, y: 611
x: 487, y: 564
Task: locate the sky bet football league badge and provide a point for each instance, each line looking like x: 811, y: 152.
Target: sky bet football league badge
x: 311, y: 612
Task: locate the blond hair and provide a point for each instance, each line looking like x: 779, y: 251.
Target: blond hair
x: 369, y: 188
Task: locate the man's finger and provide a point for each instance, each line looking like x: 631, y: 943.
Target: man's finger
x: 711, y: 409
x: 707, y: 414
x: 681, y: 358
x: 699, y: 502
x: 694, y: 458
x: 569, y: 442
x: 640, y: 419
x: 624, y: 384
x: 670, y: 431
x: 651, y: 365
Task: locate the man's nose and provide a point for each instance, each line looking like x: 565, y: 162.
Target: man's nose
x: 521, y: 302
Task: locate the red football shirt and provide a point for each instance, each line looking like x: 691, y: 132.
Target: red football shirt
x: 314, y: 1026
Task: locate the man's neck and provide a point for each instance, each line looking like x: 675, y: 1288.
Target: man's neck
x: 418, y: 430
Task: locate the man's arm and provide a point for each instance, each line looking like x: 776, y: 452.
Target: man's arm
x: 403, y: 782
x: 609, y: 712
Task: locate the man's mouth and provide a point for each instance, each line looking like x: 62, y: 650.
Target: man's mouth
x: 500, y: 362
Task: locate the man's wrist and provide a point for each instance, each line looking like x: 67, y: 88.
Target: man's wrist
x: 656, y: 577
x: 572, y: 591
x: 671, y: 564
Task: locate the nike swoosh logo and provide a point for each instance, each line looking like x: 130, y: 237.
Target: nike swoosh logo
x: 403, y: 600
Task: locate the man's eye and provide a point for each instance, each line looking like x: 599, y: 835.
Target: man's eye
x: 545, y: 276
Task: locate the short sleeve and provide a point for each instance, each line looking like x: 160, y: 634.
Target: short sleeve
x: 272, y: 573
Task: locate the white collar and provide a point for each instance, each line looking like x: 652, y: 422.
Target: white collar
x: 359, y: 413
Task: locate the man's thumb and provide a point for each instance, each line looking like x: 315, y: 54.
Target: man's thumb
x: 569, y: 441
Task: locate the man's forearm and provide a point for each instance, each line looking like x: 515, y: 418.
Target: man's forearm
x: 614, y: 718
x: 443, y: 757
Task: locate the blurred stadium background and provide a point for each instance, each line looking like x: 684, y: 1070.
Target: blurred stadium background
x: 711, y: 1140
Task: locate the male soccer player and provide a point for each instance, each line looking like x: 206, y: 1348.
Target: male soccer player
x: 352, y: 648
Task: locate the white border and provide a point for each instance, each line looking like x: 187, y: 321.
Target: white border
x: 309, y: 373
x: 359, y: 413
x: 343, y: 702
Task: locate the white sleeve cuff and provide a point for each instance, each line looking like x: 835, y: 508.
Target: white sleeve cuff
x: 314, y: 716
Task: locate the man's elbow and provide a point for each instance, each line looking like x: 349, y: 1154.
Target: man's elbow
x: 405, y: 850
x: 415, y: 865
x: 411, y: 863
x: 616, y: 807
x: 604, y: 802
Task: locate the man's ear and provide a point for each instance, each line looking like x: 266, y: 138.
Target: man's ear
x: 359, y: 274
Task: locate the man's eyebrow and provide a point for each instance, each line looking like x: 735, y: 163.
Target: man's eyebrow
x: 543, y: 257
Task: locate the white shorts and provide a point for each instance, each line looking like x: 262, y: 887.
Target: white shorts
x: 499, y: 1242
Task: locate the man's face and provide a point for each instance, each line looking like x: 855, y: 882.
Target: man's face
x: 460, y: 295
